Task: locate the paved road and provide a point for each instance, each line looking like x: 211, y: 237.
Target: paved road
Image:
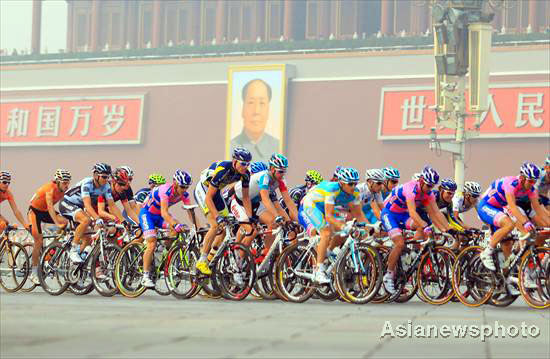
x: 36, y: 324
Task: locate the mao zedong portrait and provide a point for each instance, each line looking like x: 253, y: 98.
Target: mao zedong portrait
x: 256, y: 97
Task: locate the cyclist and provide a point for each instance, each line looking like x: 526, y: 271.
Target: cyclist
x: 444, y: 197
x: 42, y: 210
x: 5, y: 194
x: 400, y: 212
x: 154, y: 180
x: 208, y: 196
x: 80, y: 205
x: 463, y: 202
x: 297, y: 193
x: 392, y: 180
x: 503, y: 193
x: 121, y: 191
x: 370, y: 194
x: 154, y: 214
x: 262, y: 192
x: 318, y: 209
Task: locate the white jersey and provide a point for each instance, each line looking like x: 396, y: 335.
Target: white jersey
x: 366, y: 196
x: 458, y: 203
x: 543, y: 184
x: 259, y: 181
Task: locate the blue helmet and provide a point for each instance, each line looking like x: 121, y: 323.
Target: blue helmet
x: 391, y: 173
x: 448, y: 184
x: 242, y: 154
x: 278, y: 161
x: 530, y: 170
x: 182, y: 178
x: 348, y: 175
x: 430, y: 175
x: 256, y: 167
x: 338, y: 168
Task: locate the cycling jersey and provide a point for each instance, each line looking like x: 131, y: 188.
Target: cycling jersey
x: 396, y: 202
x: 260, y: 181
x: 495, y: 195
x: 6, y: 196
x: 141, y: 195
x: 222, y: 173
x: 38, y: 200
x: 331, y: 193
x: 126, y: 195
x: 441, y: 204
x: 459, y: 204
x: 164, y: 192
x: 543, y: 184
x: 366, y: 196
x: 86, y: 188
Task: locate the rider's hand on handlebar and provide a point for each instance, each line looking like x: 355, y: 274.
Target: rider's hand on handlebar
x: 279, y: 220
x: 179, y: 227
x: 220, y: 219
x: 529, y: 226
x: 99, y: 222
x: 428, y: 231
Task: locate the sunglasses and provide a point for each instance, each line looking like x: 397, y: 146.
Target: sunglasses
x: 429, y: 185
x: 121, y: 184
x: 244, y: 164
x: 394, y: 181
x: 378, y: 183
x: 281, y: 171
x: 130, y: 179
x: 104, y: 176
x: 6, y: 182
x: 352, y: 184
x: 474, y: 196
x: 183, y: 187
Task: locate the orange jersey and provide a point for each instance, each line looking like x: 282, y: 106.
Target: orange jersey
x: 38, y: 201
x: 5, y: 196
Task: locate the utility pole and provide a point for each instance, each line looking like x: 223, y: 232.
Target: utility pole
x: 462, y: 45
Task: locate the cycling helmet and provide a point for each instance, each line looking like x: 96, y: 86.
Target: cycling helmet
x: 375, y: 174
x: 530, y: 170
x: 62, y: 175
x: 102, y: 168
x: 182, y: 178
x: 448, y: 184
x: 5, y: 176
x: 348, y: 175
x: 314, y: 177
x: 256, y: 167
x: 416, y: 176
x: 121, y: 176
x: 338, y: 168
x: 242, y: 154
x: 547, y: 162
x: 472, y: 188
x: 430, y: 175
x: 157, y: 179
x: 278, y: 161
x: 129, y: 170
x: 391, y: 173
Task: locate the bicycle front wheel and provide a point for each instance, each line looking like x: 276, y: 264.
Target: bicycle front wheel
x: 129, y: 270
x: 181, y: 272
x: 534, y: 277
x: 236, y: 272
x: 14, y: 266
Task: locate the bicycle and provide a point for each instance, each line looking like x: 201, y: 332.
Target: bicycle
x: 14, y: 262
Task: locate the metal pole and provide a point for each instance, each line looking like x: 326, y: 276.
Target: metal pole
x: 460, y: 135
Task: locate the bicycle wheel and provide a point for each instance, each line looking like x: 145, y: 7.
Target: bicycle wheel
x: 103, y: 270
x: 181, y: 271
x: 129, y: 270
x: 473, y: 284
x: 236, y: 272
x: 14, y: 266
x: 534, y: 269
x: 52, y: 269
x: 81, y: 278
x: 29, y: 284
x: 357, y: 275
x: 382, y: 294
x: 434, y: 276
x: 294, y: 272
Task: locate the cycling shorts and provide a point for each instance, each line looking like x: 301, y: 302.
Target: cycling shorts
x: 395, y: 223
x: 69, y: 210
x: 40, y: 217
x: 200, y: 198
x: 311, y: 217
x: 150, y: 222
x: 490, y: 214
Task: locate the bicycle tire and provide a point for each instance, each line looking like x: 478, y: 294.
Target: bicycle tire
x: 542, y: 271
x: 230, y: 287
x: 470, y: 272
x: 428, y: 276
x: 129, y: 270
x: 53, y: 266
x: 108, y: 287
x: 181, y: 268
x: 358, y: 287
x: 29, y: 284
x: 19, y: 267
x: 286, y: 278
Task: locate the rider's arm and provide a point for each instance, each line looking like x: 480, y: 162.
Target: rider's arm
x: 437, y: 217
x: 266, y: 200
x: 130, y: 210
x: 114, y: 209
x: 102, y: 211
x: 357, y: 212
x: 89, y: 208
x: 51, y: 209
x: 375, y: 209
x: 540, y: 210
x: 17, y: 212
x: 165, y: 214
x: 411, y: 206
x: 292, y: 210
x: 513, y: 208
x: 329, y: 216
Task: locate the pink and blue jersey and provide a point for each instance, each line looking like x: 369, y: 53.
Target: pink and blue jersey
x: 396, y: 202
x: 496, y: 193
x: 164, y: 192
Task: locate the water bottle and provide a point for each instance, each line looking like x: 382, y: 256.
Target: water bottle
x: 158, y: 253
x: 85, y: 252
x: 509, y: 261
x: 406, y: 260
x: 501, y: 260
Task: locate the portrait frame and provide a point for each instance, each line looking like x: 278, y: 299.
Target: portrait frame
x: 276, y: 76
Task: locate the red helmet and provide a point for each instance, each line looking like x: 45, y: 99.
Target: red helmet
x: 121, y: 176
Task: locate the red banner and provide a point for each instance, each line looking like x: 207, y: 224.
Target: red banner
x: 514, y: 111
x: 71, y: 121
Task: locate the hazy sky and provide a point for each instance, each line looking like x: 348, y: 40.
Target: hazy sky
x: 16, y: 24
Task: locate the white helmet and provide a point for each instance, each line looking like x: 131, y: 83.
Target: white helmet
x: 416, y: 176
x: 62, y: 175
x: 472, y: 188
x: 375, y: 174
x: 129, y: 170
